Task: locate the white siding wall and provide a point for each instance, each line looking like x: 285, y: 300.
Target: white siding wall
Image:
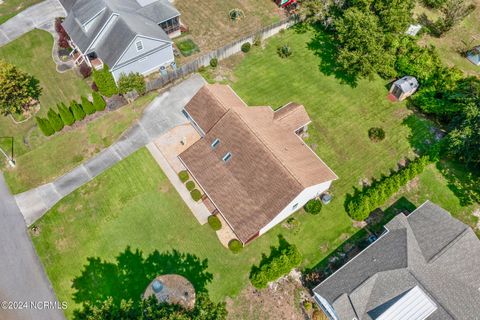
x: 307, y: 194
x: 147, y: 64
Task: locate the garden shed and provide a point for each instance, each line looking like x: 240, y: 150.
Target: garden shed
x: 474, y: 56
x: 403, y: 88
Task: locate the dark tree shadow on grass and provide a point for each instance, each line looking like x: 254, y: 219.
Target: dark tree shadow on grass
x: 324, y: 46
x: 128, y: 277
x: 462, y: 181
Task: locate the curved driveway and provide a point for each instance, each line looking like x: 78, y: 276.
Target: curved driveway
x: 163, y: 114
x: 34, y: 17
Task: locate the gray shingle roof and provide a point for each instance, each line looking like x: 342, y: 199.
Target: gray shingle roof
x: 133, y: 20
x: 428, y: 249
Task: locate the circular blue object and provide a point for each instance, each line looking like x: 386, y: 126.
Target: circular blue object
x: 157, y: 286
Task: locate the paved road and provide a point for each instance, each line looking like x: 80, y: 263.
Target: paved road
x: 22, y: 277
x: 164, y: 113
x: 34, y: 17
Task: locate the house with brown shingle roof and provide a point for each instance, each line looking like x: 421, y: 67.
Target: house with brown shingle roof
x: 251, y: 162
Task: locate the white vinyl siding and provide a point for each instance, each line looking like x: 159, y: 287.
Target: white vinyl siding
x: 299, y: 201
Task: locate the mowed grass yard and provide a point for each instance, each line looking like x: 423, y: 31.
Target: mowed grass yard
x: 211, y: 27
x: 133, y: 204
x: 10, y: 8
x: 40, y: 159
x: 465, y: 34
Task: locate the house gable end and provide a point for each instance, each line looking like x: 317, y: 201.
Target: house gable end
x: 133, y: 53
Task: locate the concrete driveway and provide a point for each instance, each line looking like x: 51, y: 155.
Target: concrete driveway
x: 163, y: 114
x: 22, y: 278
x: 34, y: 17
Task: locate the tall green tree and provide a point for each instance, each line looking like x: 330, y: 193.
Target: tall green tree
x: 87, y: 106
x: 134, y: 81
x: 17, y: 89
x: 44, y: 126
x: 98, y: 101
x: 362, y: 45
x: 55, y: 120
x: 105, y: 81
x: 66, y: 115
x: 77, y: 111
x: 395, y: 15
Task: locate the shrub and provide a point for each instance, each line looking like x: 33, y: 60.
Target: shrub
x: 362, y: 203
x: 246, y: 47
x: 307, y: 305
x: 62, y: 34
x: 131, y: 82
x: 190, y: 185
x: 55, y: 120
x: 45, y: 126
x: 257, y: 41
x: 214, y: 62
x: 235, y: 246
x: 313, y: 206
x: 77, y: 111
x: 215, y: 223
x: 66, y: 115
x: 318, y: 315
x: 376, y: 134
x: 105, y: 82
x: 98, y: 103
x: 85, y: 70
x: 87, y: 106
x: 184, y: 176
x: 236, y: 14
x: 284, y: 51
x: 280, y: 262
x: 94, y: 86
x: 196, y: 195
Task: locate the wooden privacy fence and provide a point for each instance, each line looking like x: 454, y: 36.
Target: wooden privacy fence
x: 220, y: 54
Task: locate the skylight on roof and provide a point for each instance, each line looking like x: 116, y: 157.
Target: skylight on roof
x: 145, y: 3
x: 215, y: 143
x: 227, y: 157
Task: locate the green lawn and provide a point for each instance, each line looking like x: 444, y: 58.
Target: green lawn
x: 40, y: 159
x: 59, y: 154
x: 32, y: 53
x: 134, y: 205
x: 10, y: 8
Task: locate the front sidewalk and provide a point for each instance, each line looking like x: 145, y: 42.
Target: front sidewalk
x: 198, y: 208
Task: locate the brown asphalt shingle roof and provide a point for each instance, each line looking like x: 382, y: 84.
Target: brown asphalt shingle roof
x: 270, y: 164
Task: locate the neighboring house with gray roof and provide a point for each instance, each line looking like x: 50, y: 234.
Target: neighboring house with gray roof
x: 127, y: 35
x: 425, y: 266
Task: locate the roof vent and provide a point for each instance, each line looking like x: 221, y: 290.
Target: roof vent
x: 227, y: 157
x: 215, y: 143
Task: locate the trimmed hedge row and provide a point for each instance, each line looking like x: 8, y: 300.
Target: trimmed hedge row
x: 66, y: 116
x: 360, y: 205
x: 280, y: 262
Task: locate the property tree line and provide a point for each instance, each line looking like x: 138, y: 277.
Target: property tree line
x: 362, y: 203
x: 368, y: 37
x: 280, y: 262
x: 67, y: 116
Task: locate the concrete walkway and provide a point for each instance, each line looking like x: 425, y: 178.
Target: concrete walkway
x: 198, y: 208
x: 22, y: 277
x: 34, y: 17
x: 164, y: 113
